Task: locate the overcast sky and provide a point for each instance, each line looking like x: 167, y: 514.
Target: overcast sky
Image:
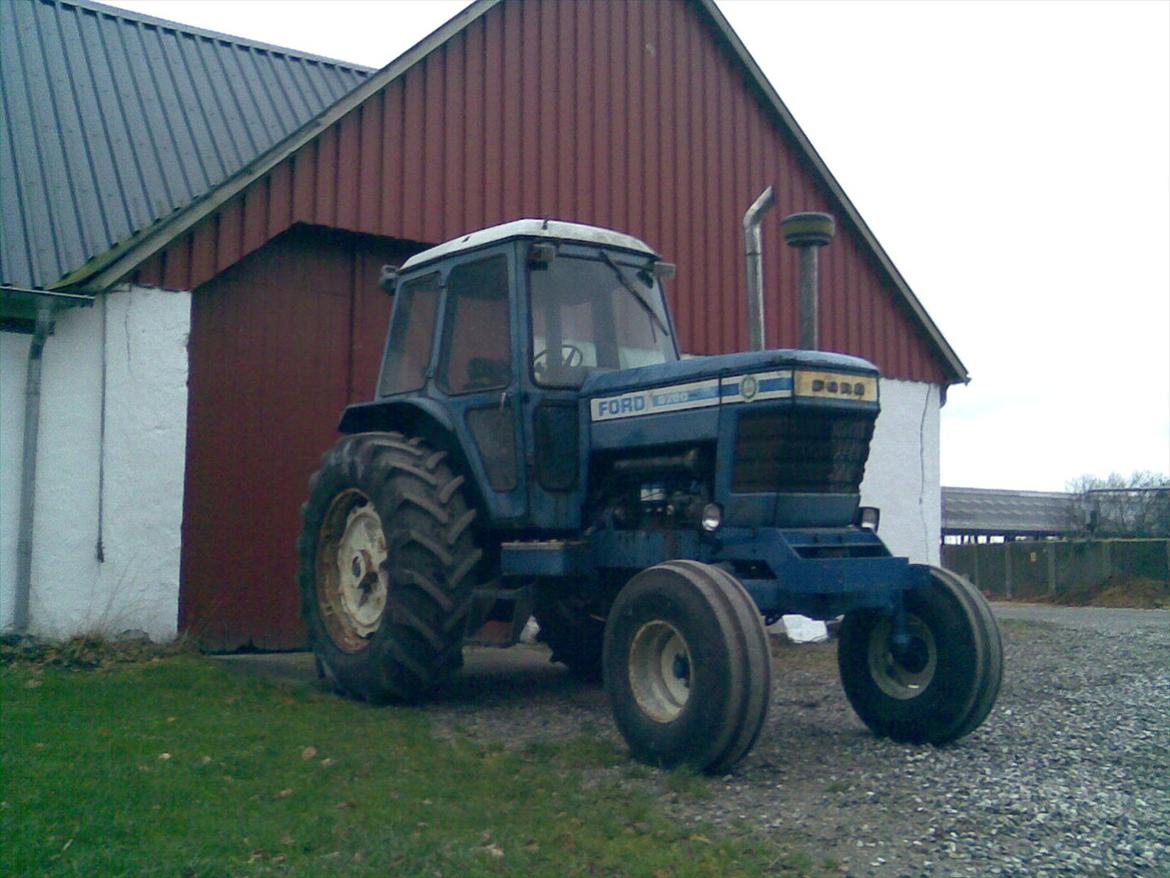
x: 1014, y: 160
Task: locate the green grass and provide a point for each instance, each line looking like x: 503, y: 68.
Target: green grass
x: 175, y: 768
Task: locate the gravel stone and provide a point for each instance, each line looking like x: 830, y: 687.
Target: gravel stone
x: 1069, y: 776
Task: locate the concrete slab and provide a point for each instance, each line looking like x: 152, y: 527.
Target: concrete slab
x: 1106, y: 620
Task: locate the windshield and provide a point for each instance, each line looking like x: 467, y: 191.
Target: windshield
x: 595, y: 313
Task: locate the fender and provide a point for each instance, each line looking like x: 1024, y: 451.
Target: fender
x: 402, y: 414
x: 418, y: 416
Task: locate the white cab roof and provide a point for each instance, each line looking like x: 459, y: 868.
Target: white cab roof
x: 530, y: 228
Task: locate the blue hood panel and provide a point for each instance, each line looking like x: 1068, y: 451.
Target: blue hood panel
x: 599, y: 383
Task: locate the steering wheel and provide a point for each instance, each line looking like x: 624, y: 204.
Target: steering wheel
x: 571, y: 358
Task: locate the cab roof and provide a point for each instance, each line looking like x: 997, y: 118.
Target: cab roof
x: 557, y: 230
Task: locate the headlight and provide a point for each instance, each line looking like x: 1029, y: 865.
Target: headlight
x: 712, y: 517
x: 869, y: 517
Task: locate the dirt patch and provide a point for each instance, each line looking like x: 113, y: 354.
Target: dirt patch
x: 1140, y: 593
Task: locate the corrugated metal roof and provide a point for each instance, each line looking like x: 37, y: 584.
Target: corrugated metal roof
x: 111, y: 120
x: 987, y: 511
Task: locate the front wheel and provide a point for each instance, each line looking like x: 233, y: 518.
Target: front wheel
x: 942, y: 682
x: 687, y: 667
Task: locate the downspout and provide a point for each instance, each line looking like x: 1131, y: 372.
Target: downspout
x: 753, y: 252
x: 28, y: 467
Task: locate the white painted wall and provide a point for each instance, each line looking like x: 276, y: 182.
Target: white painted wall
x: 144, y: 452
x: 902, y: 475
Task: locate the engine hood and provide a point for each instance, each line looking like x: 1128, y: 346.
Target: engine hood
x: 608, y: 383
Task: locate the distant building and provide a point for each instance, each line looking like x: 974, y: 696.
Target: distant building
x: 971, y: 515
x: 984, y: 515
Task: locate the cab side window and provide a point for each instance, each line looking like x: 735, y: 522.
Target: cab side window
x: 412, y: 331
x: 477, y: 343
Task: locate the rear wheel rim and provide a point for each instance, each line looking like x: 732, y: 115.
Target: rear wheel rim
x: 352, y: 578
x: 660, y: 671
x: 906, y: 676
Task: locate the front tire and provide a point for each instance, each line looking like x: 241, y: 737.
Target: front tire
x: 386, y: 566
x: 944, y: 684
x: 687, y: 667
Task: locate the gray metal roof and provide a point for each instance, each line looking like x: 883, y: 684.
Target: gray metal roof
x: 531, y: 228
x: 986, y: 511
x: 111, y: 120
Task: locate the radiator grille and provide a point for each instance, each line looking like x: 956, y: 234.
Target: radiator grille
x: 804, y: 452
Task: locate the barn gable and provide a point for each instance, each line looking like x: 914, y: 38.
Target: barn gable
x: 651, y: 118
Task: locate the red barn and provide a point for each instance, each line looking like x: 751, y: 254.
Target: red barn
x: 648, y: 117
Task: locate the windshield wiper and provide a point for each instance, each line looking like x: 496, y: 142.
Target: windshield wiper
x: 633, y: 290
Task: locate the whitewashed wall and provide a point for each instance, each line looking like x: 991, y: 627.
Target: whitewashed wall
x: 902, y: 476
x: 144, y: 452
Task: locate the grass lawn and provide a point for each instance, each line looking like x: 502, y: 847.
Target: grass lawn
x: 173, y: 767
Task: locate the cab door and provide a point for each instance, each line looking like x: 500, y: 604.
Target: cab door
x: 476, y: 374
x: 560, y: 351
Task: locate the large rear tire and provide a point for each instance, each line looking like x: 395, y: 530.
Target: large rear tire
x: 944, y: 685
x: 687, y: 667
x: 387, y: 555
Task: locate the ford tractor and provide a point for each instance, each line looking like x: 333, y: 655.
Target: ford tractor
x: 538, y: 446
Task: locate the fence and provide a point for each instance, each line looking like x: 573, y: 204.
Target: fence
x: 1038, y: 568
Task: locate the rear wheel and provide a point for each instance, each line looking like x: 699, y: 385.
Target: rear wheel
x: 939, y: 686
x: 687, y: 667
x: 386, y: 561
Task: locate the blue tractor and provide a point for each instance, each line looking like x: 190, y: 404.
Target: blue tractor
x: 538, y: 446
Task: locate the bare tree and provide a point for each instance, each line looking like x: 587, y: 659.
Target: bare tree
x: 1117, y: 506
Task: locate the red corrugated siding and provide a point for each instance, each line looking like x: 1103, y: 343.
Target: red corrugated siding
x: 279, y: 344
x: 624, y: 115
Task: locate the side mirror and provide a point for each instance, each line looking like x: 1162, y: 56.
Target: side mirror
x: 663, y: 270
x: 388, y: 279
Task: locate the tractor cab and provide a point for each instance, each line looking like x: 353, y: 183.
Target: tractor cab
x: 492, y: 336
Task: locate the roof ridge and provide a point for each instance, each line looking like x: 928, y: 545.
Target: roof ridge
x: 179, y: 27
x: 109, y: 268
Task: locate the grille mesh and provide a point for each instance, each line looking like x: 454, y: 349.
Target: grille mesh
x: 801, y: 452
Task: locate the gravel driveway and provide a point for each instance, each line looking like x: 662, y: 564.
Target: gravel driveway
x: 1069, y: 776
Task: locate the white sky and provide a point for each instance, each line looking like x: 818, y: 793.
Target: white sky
x: 1014, y: 160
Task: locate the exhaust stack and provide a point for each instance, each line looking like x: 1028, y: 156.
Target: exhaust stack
x: 753, y: 251
x: 807, y: 232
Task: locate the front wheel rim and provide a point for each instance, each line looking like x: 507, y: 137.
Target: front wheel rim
x: 352, y: 579
x: 906, y: 676
x: 660, y: 671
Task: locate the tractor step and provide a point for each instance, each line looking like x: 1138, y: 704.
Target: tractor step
x: 498, y: 614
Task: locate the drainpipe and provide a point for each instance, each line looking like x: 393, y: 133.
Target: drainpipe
x: 808, y: 232
x: 753, y: 251
x: 28, y: 467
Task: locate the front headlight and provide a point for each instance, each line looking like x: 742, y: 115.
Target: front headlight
x: 712, y: 517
